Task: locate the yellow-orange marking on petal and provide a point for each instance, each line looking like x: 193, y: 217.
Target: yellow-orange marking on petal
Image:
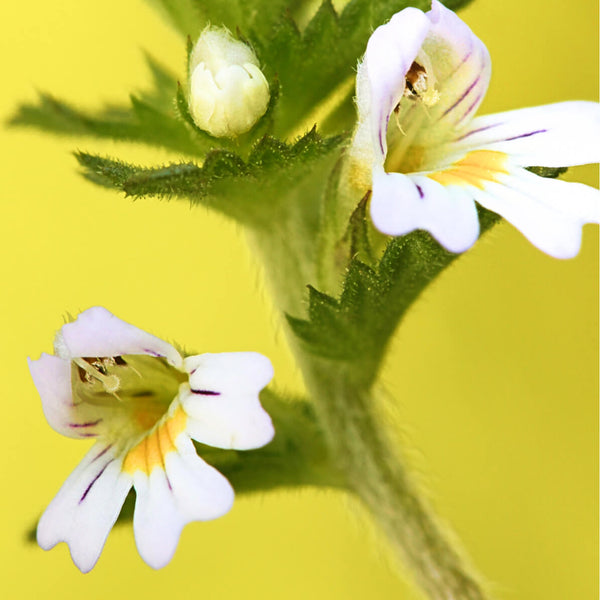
x: 151, y: 451
x: 474, y: 169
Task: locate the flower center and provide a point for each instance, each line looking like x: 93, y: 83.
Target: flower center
x: 417, y: 86
x: 412, y: 120
x: 134, y: 390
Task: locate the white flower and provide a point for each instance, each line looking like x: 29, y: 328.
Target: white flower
x: 427, y: 158
x: 144, y: 404
x: 228, y: 91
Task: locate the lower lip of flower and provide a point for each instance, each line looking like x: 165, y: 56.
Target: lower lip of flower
x: 151, y: 451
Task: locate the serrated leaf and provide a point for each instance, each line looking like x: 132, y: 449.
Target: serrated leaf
x: 143, y: 123
x: 358, y: 325
x: 241, y: 189
x: 162, y: 88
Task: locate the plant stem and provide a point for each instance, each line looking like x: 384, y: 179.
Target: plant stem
x: 359, y: 443
x: 374, y: 470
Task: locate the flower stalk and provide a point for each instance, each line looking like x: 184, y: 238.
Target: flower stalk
x: 370, y: 464
x: 376, y: 472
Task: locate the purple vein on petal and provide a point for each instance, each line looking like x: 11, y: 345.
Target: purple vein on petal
x: 163, y: 455
x: 206, y: 392
x: 88, y: 424
x: 473, y: 105
x: 523, y: 135
x: 420, y: 190
x: 462, y: 97
x: 151, y: 352
x: 382, y: 132
x: 91, y: 485
x: 101, y: 453
x: 478, y: 130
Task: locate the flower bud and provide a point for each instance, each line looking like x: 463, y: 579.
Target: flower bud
x: 228, y: 92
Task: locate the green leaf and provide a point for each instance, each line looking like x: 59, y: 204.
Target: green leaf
x: 142, y: 123
x: 185, y: 15
x: 550, y: 172
x: 357, y: 326
x: 162, y: 88
x: 189, y: 17
x: 239, y: 188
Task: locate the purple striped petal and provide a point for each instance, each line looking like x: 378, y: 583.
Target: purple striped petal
x: 554, y: 135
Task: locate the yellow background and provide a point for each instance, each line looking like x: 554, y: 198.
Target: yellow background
x: 494, y: 370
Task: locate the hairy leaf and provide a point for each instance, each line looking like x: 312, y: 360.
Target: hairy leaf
x: 225, y: 180
x: 358, y: 325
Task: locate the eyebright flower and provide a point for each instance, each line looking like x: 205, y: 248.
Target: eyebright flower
x: 143, y: 403
x: 427, y: 158
x: 228, y: 91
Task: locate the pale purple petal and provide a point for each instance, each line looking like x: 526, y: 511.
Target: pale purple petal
x: 52, y: 378
x: 554, y: 135
x: 550, y: 213
x: 97, y: 332
x: 461, y: 65
x: 86, y: 507
x: 401, y: 204
x: 223, y: 403
x: 186, y: 490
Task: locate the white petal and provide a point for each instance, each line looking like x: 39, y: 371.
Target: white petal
x: 97, y: 332
x: 549, y: 212
x: 86, y: 507
x: 380, y: 81
x: 555, y: 135
x: 52, y: 378
x: 223, y: 401
x: 187, y: 490
x: 401, y: 204
x: 461, y: 65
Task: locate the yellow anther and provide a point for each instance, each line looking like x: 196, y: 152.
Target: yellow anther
x: 111, y: 383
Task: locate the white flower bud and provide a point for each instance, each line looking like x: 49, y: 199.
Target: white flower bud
x: 228, y: 92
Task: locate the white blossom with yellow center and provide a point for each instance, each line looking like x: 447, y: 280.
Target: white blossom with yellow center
x: 143, y: 404
x: 427, y: 158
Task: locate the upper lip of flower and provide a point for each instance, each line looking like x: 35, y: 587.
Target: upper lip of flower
x: 442, y: 158
x: 218, y: 405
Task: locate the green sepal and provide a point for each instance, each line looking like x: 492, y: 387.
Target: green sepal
x: 356, y: 243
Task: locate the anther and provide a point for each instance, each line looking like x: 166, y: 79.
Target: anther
x: 111, y: 383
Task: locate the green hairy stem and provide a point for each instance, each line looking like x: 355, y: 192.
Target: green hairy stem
x: 362, y: 449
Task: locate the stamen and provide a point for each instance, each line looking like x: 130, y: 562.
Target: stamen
x: 418, y: 86
x: 397, y: 119
x: 111, y: 383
